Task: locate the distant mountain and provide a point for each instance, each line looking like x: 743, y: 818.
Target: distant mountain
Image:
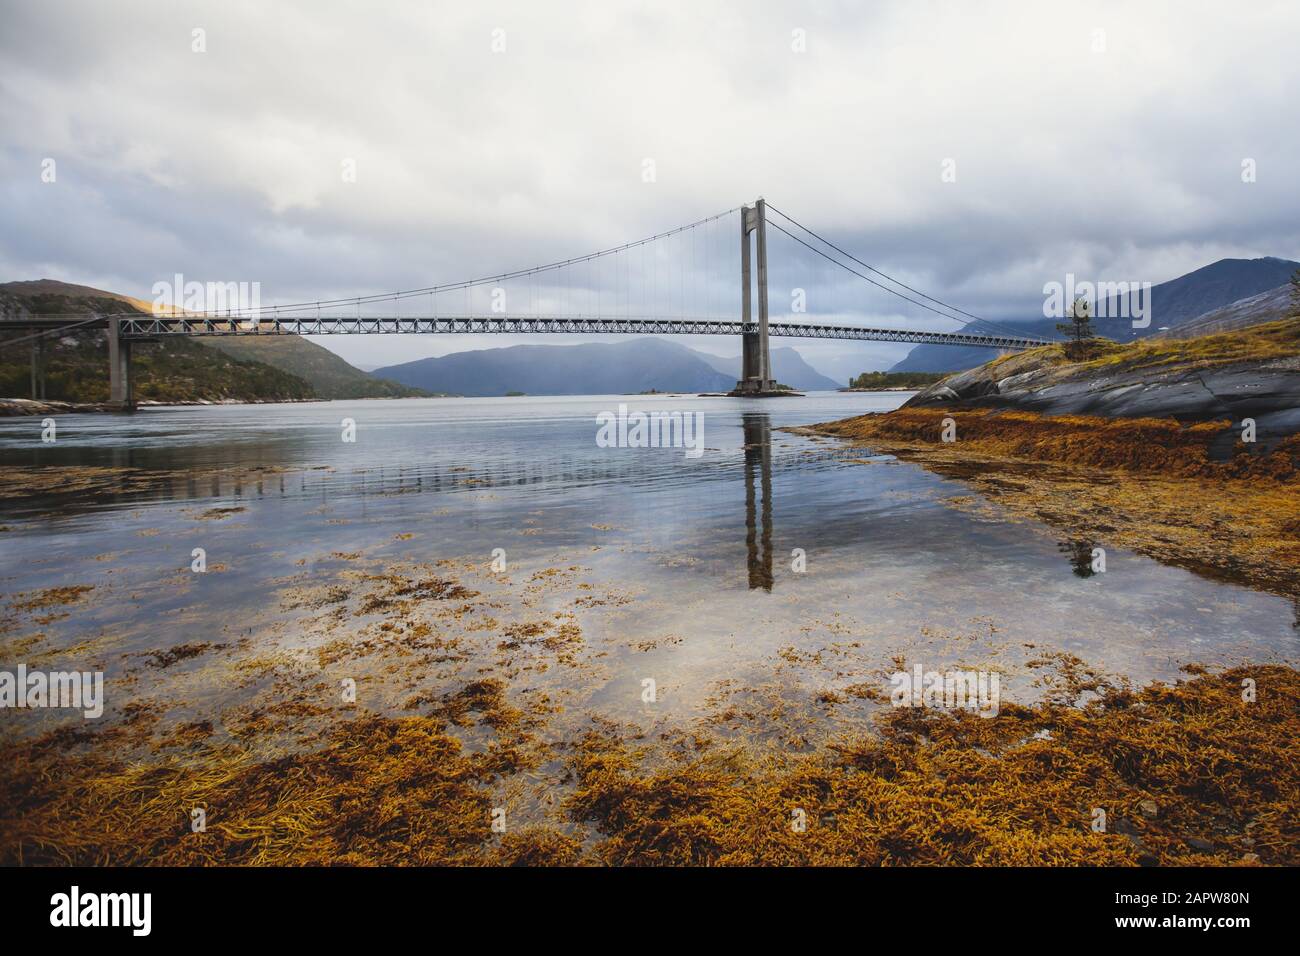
x: 1257, y: 309
x: 303, y: 369
x: 329, y: 375
x: 1172, y: 304
x: 1214, y: 286
x: 42, y: 295
x: 948, y: 358
x: 788, y: 368
x: 592, y: 368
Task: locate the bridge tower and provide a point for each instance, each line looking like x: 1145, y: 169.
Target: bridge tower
x: 756, y: 365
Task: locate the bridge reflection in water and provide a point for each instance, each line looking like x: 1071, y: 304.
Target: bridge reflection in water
x: 758, y: 498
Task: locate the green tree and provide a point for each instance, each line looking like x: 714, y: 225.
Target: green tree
x: 896, y: 379
x: 1078, y: 329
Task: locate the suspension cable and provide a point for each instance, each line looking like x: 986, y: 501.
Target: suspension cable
x: 483, y: 280
x: 970, y: 317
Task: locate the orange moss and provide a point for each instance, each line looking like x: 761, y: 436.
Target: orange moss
x: 1257, y: 343
x: 381, y: 791
x: 1186, y: 774
x: 942, y: 789
x: 1155, y: 446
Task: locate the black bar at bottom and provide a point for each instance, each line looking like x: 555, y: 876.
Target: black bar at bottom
x: 212, y: 906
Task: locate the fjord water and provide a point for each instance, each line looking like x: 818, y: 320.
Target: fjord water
x: 702, y: 554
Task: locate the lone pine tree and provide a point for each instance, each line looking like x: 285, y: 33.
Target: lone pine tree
x: 1078, y: 329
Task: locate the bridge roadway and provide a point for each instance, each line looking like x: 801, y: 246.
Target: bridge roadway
x: 138, y: 326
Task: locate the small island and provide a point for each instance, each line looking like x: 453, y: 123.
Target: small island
x: 893, y: 381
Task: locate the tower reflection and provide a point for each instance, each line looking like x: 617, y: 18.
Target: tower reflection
x: 758, y: 460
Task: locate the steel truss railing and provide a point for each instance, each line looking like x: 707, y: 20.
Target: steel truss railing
x: 137, y: 326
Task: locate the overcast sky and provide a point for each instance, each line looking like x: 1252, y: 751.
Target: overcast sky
x: 1106, y: 140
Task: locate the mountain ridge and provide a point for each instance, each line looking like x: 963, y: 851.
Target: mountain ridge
x: 169, y: 367
x: 588, y: 368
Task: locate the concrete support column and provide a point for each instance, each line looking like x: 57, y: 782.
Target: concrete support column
x: 750, y: 361
x: 38, y: 382
x: 120, y: 392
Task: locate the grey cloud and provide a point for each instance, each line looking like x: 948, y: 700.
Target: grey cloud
x: 225, y: 165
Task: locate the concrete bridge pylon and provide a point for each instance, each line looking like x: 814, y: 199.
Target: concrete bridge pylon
x: 755, y: 362
x: 120, y: 391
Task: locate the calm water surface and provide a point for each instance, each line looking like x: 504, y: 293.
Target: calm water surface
x: 701, y: 552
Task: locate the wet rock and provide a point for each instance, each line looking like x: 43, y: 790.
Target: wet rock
x: 1200, y: 843
x: 27, y: 406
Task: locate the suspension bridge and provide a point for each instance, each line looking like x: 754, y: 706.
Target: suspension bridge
x: 692, y: 280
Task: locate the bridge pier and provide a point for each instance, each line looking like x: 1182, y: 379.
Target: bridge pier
x: 755, y: 359
x: 38, y: 369
x: 120, y: 392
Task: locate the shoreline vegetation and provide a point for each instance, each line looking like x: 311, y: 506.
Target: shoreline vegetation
x: 893, y: 381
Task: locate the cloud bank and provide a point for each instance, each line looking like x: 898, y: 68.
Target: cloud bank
x: 1101, y: 139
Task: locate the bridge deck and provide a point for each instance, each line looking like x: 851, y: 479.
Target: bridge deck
x: 136, y: 325
x: 154, y: 326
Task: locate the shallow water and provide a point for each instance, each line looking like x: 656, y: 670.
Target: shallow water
x: 677, y: 569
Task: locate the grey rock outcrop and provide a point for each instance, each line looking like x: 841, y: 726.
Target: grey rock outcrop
x: 1267, y: 391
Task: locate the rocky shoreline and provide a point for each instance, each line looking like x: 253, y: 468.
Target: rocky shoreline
x: 1248, y: 373
x: 14, y: 407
